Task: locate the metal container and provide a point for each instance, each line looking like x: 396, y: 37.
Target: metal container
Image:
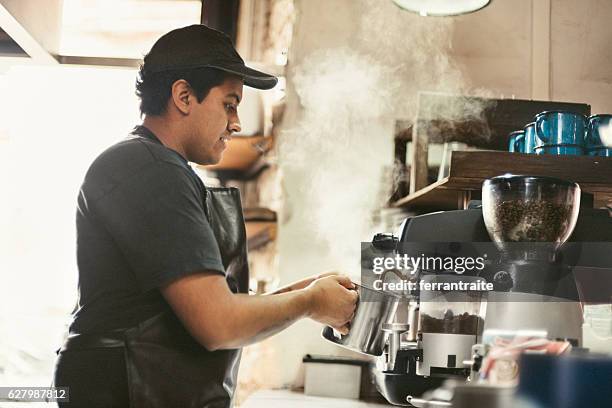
x: 366, y: 335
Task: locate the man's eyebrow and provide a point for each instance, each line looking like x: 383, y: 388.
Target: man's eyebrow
x: 234, y: 95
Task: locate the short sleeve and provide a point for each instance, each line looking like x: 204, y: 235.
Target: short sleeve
x: 157, y: 220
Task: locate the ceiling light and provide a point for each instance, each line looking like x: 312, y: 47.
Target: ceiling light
x: 441, y: 8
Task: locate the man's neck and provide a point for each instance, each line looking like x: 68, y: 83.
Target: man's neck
x: 165, y: 132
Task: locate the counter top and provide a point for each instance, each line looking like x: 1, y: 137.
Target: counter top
x: 286, y: 398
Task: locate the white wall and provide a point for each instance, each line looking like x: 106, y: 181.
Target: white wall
x: 581, y: 52
x: 494, y: 48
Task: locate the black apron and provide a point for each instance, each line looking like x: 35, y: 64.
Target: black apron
x: 166, y: 366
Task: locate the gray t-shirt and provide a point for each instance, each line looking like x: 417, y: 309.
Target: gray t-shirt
x: 140, y: 225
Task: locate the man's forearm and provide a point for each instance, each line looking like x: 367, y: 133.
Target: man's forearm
x: 220, y: 319
x: 292, y: 286
x: 301, y: 284
x: 259, y: 317
x: 247, y: 319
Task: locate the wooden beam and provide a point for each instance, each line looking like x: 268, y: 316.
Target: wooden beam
x: 99, y: 61
x: 37, y: 53
x: 221, y: 15
x: 419, y: 168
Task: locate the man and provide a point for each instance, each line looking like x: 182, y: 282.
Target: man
x: 163, y: 309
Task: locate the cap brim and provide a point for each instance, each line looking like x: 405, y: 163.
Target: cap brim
x: 252, y: 77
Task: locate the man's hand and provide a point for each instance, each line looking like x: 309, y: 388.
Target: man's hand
x: 333, y: 301
x: 301, y: 284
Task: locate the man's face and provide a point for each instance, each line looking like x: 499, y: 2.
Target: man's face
x: 213, y: 121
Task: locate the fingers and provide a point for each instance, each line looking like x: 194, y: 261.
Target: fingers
x: 348, y: 322
x: 344, y: 330
x: 345, y: 327
x: 345, y: 281
x: 326, y: 274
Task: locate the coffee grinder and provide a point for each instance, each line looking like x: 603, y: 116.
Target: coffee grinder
x: 529, y: 219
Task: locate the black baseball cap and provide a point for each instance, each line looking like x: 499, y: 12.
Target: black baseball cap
x: 199, y: 46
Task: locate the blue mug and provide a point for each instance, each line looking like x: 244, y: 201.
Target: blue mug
x: 537, y: 380
x: 519, y: 142
x: 560, y: 128
x: 560, y: 150
x: 531, y: 141
x: 584, y: 381
x: 600, y: 152
x: 512, y: 140
x: 595, y: 124
x: 548, y: 381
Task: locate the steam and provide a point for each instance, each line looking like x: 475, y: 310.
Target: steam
x: 341, y: 148
x: 339, y: 144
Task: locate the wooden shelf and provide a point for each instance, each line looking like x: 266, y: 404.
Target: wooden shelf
x: 259, y: 234
x: 260, y: 227
x: 242, y: 153
x: 469, y: 169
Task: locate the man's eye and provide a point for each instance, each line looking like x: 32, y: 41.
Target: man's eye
x: 230, y: 107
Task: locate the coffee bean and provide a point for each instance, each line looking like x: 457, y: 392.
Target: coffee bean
x: 460, y: 324
x: 530, y: 221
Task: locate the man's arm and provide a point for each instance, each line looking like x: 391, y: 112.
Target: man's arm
x: 220, y: 319
x: 301, y: 284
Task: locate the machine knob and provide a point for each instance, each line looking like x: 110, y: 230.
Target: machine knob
x: 502, y: 281
x: 385, y: 242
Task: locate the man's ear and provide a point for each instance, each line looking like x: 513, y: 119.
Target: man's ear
x: 182, y: 96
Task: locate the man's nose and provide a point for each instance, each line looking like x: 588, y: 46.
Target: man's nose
x: 233, y: 125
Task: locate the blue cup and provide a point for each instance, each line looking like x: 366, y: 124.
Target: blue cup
x: 596, y: 124
x: 584, y: 381
x: 538, y: 380
x: 531, y: 140
x: 547, y: 381
x: 519, y: 142
x: 512, y: 140
x: 560, y: 150
x: 555, y: 128
x: 600, y: 152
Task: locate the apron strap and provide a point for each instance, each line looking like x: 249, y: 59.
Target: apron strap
x: 74, y: 342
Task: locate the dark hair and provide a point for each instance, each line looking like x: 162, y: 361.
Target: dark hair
x: 154, y: 88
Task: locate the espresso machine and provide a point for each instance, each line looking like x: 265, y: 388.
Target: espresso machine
x: 522, y: 223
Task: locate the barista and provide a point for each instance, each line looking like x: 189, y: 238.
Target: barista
x: 163, y: 308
